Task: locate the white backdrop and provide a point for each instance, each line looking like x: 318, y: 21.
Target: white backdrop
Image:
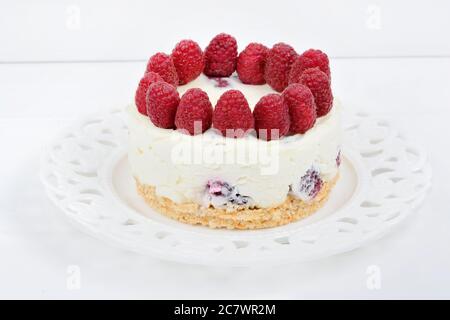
x: 54, y: 30
x: 63, y: 59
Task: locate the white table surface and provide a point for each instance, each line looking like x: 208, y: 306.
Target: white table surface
x: 37, y: 244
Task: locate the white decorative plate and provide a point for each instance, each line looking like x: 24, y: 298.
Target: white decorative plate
x: 383, y: 178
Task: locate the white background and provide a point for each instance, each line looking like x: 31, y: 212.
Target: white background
x: 63, y: 59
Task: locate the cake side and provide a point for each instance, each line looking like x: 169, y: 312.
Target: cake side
x: 292, y: 209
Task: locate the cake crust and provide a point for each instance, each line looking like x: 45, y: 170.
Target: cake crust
x: 292, y: 209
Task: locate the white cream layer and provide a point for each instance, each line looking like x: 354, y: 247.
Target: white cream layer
x: 179, y: 166
x: 211, y: 86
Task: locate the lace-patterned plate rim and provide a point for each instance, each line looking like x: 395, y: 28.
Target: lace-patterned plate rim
x: 392, y: 177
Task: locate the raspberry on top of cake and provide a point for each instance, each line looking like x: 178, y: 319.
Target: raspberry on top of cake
x: 300, y: 89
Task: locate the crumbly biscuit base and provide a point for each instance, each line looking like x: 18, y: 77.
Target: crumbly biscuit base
x: 290, y: 210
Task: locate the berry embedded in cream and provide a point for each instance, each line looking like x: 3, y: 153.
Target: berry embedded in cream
x: 243, y: 141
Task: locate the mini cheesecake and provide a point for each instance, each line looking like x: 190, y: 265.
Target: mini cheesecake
x: 243, y: 182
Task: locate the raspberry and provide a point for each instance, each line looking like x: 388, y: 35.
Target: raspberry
x: 251, y: 63
x: 220, y: 56
x: 162, y: 103
x: 339, y: 158
x: 271, y: 115
x: 309, y: 186
x: 309, y: 59
x: 232, y: 115
x: 220, y: 194
x: 194, y: 113
x: 319, y: 84
x: 141, y: 92
x: 278, y: 65
x: 220, y: 82
x: 162, y: 64
x: 302, y: 108
x: 188, y: 60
